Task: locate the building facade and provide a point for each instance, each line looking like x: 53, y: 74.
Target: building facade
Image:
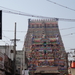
x: 8, y: 50
x: 19, y: 61
x: 6, y: 60
x: 44, y: 47
x: 2, y: 72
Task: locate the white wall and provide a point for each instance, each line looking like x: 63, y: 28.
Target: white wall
x: 25, y: 72
x: 7, y: 50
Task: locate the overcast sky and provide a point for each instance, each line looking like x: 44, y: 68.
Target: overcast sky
x: 41, y: 8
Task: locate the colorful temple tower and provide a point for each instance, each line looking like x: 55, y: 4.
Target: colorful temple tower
x: 44, y: 48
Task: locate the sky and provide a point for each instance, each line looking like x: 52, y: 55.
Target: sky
x: 41, y: 8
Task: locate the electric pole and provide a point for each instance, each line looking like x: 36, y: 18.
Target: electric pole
x: 14, y: 49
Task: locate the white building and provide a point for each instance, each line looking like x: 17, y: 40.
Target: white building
x: 7, y: 49
x: 19, y: 61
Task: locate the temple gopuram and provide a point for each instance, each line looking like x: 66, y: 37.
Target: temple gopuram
x: 44, y: 48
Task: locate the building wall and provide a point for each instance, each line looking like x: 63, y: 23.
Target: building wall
x: 1, y: 60
x: 6, y: 49
x: 19, y: 61
x: 24, y: 59
x: 6, y: 61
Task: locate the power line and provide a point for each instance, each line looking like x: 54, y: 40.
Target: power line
x: 68, y: 34
x: 62, y: 35
x: 3, y: 41
x: 30, y: 15
x: 23, y: 41
x: 13, y: 31
x: 61, y: 5
x: 9, y: 9
x: 26, y: 31
x: 6, y: 37
x: 67, y: 28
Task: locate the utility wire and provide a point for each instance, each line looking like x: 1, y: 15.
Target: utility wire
x: 61, y: 5
x: 9, y: 39
x: 62, y: 35
x: 2, y: 41
x: 5, y: 37
x: 26, y: 31
x: 30, y: 15
x: 68, y: 34
x: 44, y: 17
x: 13, y: 31
x: 67, y: 28
x: 9, y: 9
x: 23, y: 41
